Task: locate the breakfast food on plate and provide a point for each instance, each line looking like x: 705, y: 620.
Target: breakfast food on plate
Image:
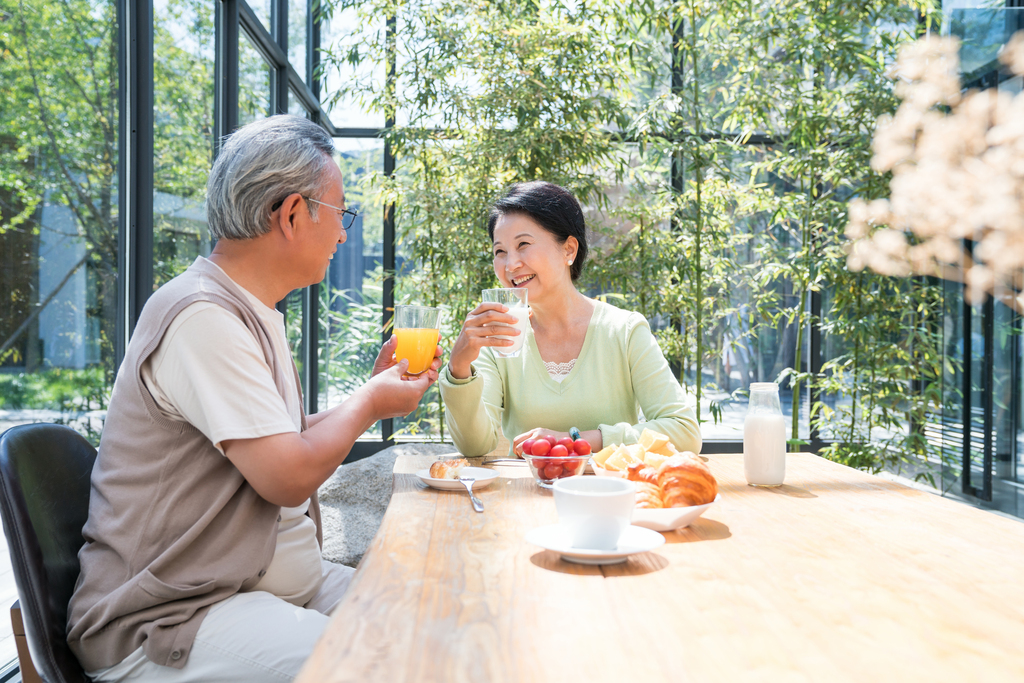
x: 664, y: 476
x: 654, y: 449
x: 686, y: 481
x: 448, y: 469
x: 548, y: 445
x: 642, y: 472
x: 648, y: 495
x: 556, y: 458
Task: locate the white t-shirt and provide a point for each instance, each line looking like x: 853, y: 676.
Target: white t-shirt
x: 210, y: 372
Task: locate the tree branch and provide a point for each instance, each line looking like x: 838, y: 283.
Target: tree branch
x: 83, y: 198
x: 39, y: 309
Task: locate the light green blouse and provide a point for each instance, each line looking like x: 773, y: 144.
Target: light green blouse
x: 619, y: 375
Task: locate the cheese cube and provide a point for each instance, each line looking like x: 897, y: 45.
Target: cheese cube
x: 619, y: 460
x: 635, y: 453
x: 602, y: 455
x: 654, y: 459
x: 668, y: 450
x: 652, y: 440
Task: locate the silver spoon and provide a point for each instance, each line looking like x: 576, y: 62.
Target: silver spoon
x: 468, y: 483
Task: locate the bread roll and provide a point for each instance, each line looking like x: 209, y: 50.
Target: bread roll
x: 448, y: 469
x: 686, y: 481
x: 648, y: 495
x: 642, y: 472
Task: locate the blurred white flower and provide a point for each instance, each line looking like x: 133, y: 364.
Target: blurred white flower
x: 957, y: 163
x: 1012, y: 54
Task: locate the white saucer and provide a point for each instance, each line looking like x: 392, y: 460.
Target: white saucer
x: 556, y: 537
x: 669, y: 519
x: 481, y: 475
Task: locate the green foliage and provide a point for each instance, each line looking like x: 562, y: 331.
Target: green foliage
x: 77, y: 396
x: 490, y: 93
x: 58, y: 124
x: 886, y: 372
x: 726, y: 260
x: 59, y: 134
x: 183, y: 73
x: 736, y: 249
x: 56, y: 389
x: 528, y: 104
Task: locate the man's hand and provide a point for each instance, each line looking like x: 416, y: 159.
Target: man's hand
x: 394, y: 393
x: 288, y: 468
x: 386, y: 359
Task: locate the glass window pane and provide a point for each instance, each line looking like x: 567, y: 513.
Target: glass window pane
x: 297, y: 36
x: 294, y: 315
x: 262, y: 9
x: 183, y: 67
x: 343, y: 30
x: 983, y: 28
x: 58, y: 223
x: 253, y: 83
x: 295, y: 107
x: 351, y: 294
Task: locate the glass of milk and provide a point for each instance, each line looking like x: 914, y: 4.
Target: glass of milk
x: 764, y: 437
x: 515, y: 299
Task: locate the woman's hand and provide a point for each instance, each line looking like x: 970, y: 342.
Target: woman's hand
x: 538, y: 433
x: 592, y: 436
x: 386, y: 359
x: 483, y: 324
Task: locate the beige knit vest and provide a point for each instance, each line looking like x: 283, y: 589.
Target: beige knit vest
x: 173, y: 526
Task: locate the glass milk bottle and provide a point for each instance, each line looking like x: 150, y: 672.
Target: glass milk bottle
x: 764, y: 437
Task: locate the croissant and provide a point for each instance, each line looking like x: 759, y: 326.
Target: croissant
x: 448, y: 469
x: 642, y: 472
x: 686, y: 481
x: 648, y: 495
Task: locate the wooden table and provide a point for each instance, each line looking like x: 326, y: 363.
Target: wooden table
x: 836, y: 576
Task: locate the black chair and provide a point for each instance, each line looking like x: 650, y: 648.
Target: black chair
x: 44, y: 502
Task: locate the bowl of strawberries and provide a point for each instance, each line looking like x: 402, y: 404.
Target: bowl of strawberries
x: 551, y: 458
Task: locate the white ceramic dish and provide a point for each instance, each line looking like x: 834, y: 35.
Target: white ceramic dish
x: 481, y: 475
x: 670, y: 519
x: 556, y: 537
x: 602, y: 472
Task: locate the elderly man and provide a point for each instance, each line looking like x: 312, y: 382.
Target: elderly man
x: 202, y: 555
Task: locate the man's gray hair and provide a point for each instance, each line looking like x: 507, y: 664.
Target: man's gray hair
x: 261, y: 164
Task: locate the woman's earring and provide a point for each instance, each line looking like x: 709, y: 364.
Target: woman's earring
x: 570, y: 262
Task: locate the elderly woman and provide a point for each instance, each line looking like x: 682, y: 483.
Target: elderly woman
x: 586, y: 363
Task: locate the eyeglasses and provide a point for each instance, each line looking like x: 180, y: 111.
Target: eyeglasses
x: 347, y: 216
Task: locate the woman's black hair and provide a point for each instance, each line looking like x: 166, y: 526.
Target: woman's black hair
x: 554, y: 208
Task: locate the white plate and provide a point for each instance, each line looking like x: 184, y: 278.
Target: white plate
x: 482, y: 476
x: 556, y: 537
x: 668, y: 519
x: 602, y: 472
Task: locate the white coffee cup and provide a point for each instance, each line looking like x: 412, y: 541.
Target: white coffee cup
x: 595, y: 510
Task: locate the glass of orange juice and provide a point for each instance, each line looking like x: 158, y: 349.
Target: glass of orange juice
x: 417, y: 330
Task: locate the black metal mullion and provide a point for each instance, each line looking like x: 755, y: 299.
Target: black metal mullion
x: 677, y: 172
x: 387, y: 427
x: 279, y: 70
x: 135, y: 232
x: 814, y: 362
x: 311, y: 307
x: 1015, y: 424
x: 271, y: 51
x: 966, y: 385
x: 125, y: 114
x: 311, y: 346
x: 988, y: 396
x: 225, y: 105
x: 313, y: 47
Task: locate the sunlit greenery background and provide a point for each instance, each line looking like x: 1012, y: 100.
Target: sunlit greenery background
x: 765, y: 111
